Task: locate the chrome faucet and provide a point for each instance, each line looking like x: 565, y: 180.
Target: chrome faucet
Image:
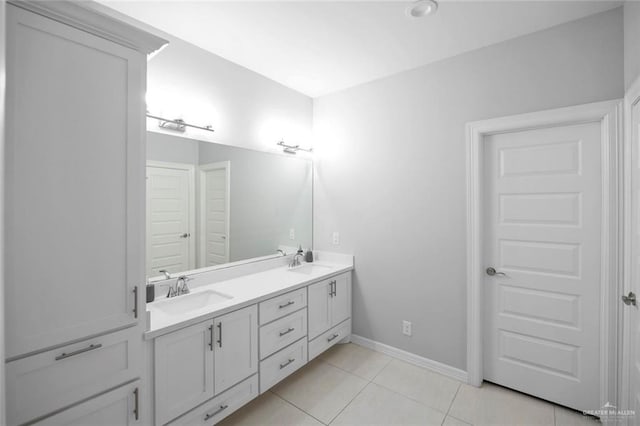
x: 180, y: 287
x: 296, y: 260
x: 282, y: 252
x: 167, y: 275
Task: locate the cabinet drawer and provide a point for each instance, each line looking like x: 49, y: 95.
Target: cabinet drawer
x: 221, y: 406
x: 283, y: 363
x: 282, y: 332
x: 120, y: 407
x: 42, y: 383
x: 329, y: 338
x: 282, y: 305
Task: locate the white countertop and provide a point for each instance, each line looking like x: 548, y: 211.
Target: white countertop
x: 244, y: 291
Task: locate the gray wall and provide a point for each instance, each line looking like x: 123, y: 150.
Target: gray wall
x: 631, y: 42
x: 174, y: 149
x: 391, y: 170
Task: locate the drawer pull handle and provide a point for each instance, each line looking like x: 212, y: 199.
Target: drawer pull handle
x: 136, y: 404
x: 64, y: 355
x: 284, y: 333
x: 211, y: 335
x: 220, y: 334
x: 135, y: 302
x: 289, y: 303
x: 215, y: 413
x: 332, y: 337
x: 283, y: 365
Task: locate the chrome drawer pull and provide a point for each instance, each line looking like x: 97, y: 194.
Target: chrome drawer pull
x: 332, y: 337
x: 64, y: 355
x: 289, y: 303
x: 287, y: 363
x: 135, y: 302
x: 284, y: 333
x: 136, y: 404
x: 215, y: 413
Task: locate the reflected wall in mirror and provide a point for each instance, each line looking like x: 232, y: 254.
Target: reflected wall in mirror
x: 209, y: 204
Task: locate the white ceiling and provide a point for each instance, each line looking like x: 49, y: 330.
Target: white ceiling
x: 318, y: 47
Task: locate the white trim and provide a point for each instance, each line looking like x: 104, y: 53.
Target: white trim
x: 190, y: 168
x: 86, y: 17
x: 631, y: 99
x: 438, y: 367
x: 606, y: 113
x: 226, y: 165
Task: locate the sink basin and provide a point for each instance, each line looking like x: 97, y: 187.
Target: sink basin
x: 190, y: 302
x: 309, y: 268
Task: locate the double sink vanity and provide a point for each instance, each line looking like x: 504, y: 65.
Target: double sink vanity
x: 224, y: 343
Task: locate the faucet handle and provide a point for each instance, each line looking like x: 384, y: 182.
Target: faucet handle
x: 183, y: 289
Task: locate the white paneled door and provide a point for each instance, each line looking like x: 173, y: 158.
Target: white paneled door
x: 542, y: 224
x: 214, y: 213
x: 170, y: 218
x: 632, y: 319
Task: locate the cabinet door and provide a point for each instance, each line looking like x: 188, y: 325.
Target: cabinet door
x: 319, y: 307
x: 117, y: 407
x: 74, y: 183
x: 341, y: 300
x: 236, y: 347
x: 183, y: 370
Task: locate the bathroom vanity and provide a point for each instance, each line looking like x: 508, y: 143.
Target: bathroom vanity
x: 218, y: 347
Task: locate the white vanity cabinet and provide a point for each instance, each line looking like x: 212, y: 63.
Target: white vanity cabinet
x: 74, y: 217
x: 235, y: 347
x: 183, y: 370
x: 206, y: 371
x: 120, y: 407
x: 197, y: 362
x: 329, y: 304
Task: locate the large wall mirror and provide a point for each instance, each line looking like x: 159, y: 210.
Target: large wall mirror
x: 210, y: 204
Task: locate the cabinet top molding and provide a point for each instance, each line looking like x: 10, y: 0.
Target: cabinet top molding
x: 85, y: 16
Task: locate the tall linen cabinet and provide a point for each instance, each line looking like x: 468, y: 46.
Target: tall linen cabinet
x: 74, y: 220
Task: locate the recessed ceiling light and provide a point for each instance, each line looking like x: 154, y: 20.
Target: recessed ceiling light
x: 422, y: 8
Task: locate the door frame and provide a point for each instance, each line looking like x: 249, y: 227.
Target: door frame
x: 609, y: 114
x: 226, y: 165
x: 631, y: 99
x: 190, y: 168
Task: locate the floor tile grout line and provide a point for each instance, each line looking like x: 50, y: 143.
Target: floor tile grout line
x: 382, y: 369
x: 349, y: 403
x: 455, y: 395
x: 409, y: 398
x: 346, y: 371
x: 354, y: 374
x: 295, y: 406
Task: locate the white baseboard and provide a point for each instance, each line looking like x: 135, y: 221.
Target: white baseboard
x: 438, y: 367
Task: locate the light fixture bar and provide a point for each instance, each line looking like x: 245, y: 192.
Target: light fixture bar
x: 293, y: 149
x: 178, y: 124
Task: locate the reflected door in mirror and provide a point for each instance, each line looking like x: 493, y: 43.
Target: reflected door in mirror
x: 214, y: 213
x: 170, y: 211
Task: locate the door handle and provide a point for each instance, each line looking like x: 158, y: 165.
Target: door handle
x: 630, y: 299
x: 185, y: 235
x: 491, y: 271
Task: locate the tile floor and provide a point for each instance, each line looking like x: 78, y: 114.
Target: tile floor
x: 352, y: 385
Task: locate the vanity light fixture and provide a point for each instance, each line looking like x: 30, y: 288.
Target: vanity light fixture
x: 422, y: 8
x: 178, y: 124
x: 292, y: 149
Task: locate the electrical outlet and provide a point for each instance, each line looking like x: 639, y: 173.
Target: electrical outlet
x: 336, y: 238
x: 292, y: 234
x: 406, y: 328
